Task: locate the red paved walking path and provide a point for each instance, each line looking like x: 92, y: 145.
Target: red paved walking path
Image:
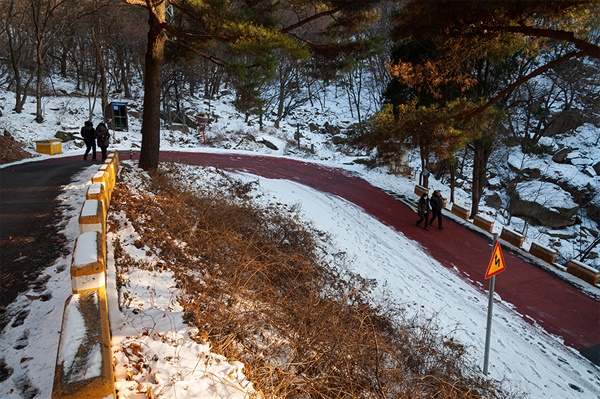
x: 537, y: 295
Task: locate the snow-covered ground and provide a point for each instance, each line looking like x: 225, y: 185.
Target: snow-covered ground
x: 523, y: 356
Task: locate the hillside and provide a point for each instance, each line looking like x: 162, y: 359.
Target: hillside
x: 521, y: 366
x: 566, y: 165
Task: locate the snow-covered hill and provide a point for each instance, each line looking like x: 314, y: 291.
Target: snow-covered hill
x: 321, y: 127
x: 525, y: 357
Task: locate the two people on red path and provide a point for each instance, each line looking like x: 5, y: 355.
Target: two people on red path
x: 433, y: 206
x: 92, y: 137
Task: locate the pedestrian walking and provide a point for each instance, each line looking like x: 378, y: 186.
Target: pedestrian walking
x: 89, y: 137
x: 423, y: 210
x: 102, y: 137
x: 437, y: 204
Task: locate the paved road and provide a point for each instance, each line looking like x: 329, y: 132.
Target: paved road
x: 29, y: 240
x: 536, y: 294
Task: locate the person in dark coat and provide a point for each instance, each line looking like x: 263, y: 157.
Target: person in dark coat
x: 437, y: 205
x: 102, y: 137
x: 89, y: 137
x: 423, y: 210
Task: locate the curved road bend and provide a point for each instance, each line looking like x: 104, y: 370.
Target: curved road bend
x: 537, y: 295
x: 29, y: 221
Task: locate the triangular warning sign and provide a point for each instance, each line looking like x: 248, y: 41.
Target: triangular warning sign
x: 497, y: 264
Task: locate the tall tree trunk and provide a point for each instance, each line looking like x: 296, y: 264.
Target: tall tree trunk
x: 103, y: 81
x: 424, y: 175
x: 21, y: 90
x: 152, y: 85
x: 280, y: 97
x: 123, y: 69
x: 482, y: 149
x: 39, y: 117
x: 101, y: 68
x: 63, y: 61
x: 453, y: 163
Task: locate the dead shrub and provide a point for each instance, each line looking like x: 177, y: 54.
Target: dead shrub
x: 254, y: 281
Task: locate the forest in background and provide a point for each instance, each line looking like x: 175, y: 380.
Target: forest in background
x: 454, y: 79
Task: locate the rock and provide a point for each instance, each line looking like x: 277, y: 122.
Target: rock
x: 332, y: 129
x: 268, y: 144
x: 495, y: 183
x: 596, y: 168
x: 588, y: 170
x: 493, y: 201
x: 561, y: 155
x: 566, y: 121
x: 67, y: 136
x: 544, y: 204
x: 516, y: 165
x: 337, y: 140
x: 532, y: 173
x: 578, y: 159
x: 353, y: 130
x: 561, y: 234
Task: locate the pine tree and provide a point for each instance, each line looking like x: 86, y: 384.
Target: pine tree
x: 456, y: 61
x: 242, y: 36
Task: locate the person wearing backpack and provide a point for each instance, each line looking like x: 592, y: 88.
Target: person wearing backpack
x: 89, y: 137
x: 102, y: 138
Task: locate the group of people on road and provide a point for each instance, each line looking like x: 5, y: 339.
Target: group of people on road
x: 433, y: 206
x: 91, y: 136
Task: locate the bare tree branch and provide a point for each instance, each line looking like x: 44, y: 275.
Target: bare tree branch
x: 317, y: 16
x: 591, y: 49
x: 479, y: 110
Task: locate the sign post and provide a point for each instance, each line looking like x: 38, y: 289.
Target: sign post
x: 496, y: 266
x: 202, y: 120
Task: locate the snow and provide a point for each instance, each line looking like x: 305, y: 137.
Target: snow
x: 95, y: 189
x: 72, y: 322
x: 85, y: 251
x: 546, y: 194
x: 153, y: 320
x: 73, y: 341
x: 150, y: 329
x: 90, y: 208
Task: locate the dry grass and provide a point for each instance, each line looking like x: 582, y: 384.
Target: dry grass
x: 12, y: 150
x: 255, y: 282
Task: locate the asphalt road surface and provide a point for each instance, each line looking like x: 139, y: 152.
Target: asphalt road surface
x: 29, y: 222
x: 27, y: 201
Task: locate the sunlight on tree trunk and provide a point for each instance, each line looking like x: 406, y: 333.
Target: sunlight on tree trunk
x: 152, y: 84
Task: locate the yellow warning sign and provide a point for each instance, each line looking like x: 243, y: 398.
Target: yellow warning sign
x: 497, y: 264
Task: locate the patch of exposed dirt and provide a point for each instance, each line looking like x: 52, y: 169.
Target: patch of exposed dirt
x: 12, y: 150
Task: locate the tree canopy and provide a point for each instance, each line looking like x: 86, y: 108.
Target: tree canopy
x: 457, y: 61
x: 465, y: 32
x: 244, y: 36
